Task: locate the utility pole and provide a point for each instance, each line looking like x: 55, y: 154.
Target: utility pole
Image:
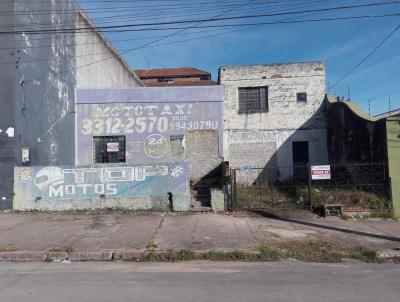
x: 348, y: 93
x: 390, y: 107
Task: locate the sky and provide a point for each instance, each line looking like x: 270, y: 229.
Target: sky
x: 341, y: 44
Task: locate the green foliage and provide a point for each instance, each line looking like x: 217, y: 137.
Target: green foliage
x: 67, y: 249
x: 9, y: 249
x: 313, y: 251
x: 363, y: 254
x: 296, y: 197
x: 268, y: 253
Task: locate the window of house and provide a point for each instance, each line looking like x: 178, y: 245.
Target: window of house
x: 165, y: 79
x: 109, y: 149
x: 176, y: 145
x: 302, y: 97
x: 253, y: 99
x: 205, y: 77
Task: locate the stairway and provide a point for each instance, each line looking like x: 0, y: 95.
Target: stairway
x: 201, y: 196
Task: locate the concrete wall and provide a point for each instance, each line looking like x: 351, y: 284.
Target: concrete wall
x: 354, y: 136
x: 42, y: 111
x: 111, y: 72
x: 393, y: 147
x: 60, y: 188
x: 202, y: 152
x: 264, y: 139
x: 148, y: 118
x: 8, y: 83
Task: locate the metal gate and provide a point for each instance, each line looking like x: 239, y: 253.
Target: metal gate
x: 292, y: 187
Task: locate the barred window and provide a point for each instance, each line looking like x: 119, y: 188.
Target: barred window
x: 109, y: 149
x: 253, y: 99
x: 302, y: 97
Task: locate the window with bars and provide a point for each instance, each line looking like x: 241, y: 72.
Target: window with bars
x: 302, y: 97
x: 109, y: 149
x: 253, y: 99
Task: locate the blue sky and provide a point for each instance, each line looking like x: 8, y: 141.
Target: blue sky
x: 341, y: 44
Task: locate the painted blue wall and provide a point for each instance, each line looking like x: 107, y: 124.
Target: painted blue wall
x: 147, y: 117
x: 102, y: 186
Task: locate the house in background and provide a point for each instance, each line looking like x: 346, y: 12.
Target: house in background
x: 274, y: 115
x: 166, y: 77
x: 37, y: 86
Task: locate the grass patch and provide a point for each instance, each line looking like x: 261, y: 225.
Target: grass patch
x: 363, y: 254
x: 296, y: 197
x: 308, y: 251
x: 67, y: 249
x: 268, y: 253
x: 189, y: 212
x: 214, y: 256
x: 9, y: 249
x: 383, y: 215
x: 151, y: 245
x: 171, y: 255
x: 312, y: 251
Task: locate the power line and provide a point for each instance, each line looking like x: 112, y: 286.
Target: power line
x: 198, y: 20
x: 128, y: 51
x: 366, y: 57
x: 32, y: 39
x: 219, y: 28
x: 127, y: 17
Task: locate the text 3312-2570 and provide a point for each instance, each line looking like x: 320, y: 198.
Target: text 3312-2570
x: 129, y: 125
x: 148, y: 124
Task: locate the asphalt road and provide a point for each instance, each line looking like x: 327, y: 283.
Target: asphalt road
x: 198, y: 281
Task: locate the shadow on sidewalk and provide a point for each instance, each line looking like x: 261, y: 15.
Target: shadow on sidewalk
x: 327, y: 227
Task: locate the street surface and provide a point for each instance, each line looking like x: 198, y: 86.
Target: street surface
x: 198, y: 281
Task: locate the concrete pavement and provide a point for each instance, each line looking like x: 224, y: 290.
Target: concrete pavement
x: 108, y: 231
x: 199, y: 281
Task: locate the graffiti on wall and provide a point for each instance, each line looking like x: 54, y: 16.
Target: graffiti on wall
x: 114, y: 181
x: 149, y: 119
x: 251, y: 136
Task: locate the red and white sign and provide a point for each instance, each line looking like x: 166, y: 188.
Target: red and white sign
x: 112, y: 147
x: 321, y: 172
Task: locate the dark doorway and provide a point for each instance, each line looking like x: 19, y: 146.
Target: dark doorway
x: 300, y: 153
x: 109, y: 149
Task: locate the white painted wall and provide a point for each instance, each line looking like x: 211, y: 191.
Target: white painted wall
x: 109, y: 73
x: 265, y: 139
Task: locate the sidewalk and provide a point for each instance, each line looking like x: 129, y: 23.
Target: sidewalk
x: 161, y: 231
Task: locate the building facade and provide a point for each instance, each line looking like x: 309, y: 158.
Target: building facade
x: 274, y: 115
x: 37, y: 80
x: 150, y: 126
x: 166, y: 77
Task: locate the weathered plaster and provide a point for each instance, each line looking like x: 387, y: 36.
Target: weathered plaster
x: 130, y: 187
x: 51, y: 66
x: 265, y: 139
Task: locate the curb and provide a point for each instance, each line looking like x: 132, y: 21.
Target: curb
x: 384, y: 256
x: 389, y: 256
